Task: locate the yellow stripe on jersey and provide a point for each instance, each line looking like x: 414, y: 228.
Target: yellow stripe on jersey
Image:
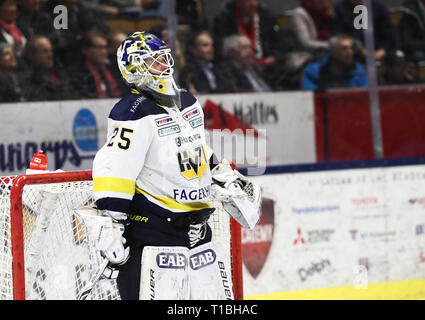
x: 170, y: 203
x: 114, y: 184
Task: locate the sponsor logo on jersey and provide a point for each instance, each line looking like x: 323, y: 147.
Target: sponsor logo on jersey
x: 136, y: 104
x: 202, y: 259
x: 190, y: 114
x: 182, y: 195
x: 193, y: 164
x: 183, y: 140
x: 256, y: 243
x: 196, y: 122
x: 169, y: 130
x: 171, y: 260
x: 163, y: 121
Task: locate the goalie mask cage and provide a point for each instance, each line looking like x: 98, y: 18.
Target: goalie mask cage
x: 45, y: 251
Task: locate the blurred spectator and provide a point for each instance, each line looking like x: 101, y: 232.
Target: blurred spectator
x: 30, y: 19
x: 338, y: 69
x: 145, y: 9
x: 10, y: 82
x: 92, y: 78
x: 200, y: 73
x: 312, y: 24
x: 397, y: 70
x: 105, y: 10
x: 161, y: 31
x: 43, y: 81
x: 114, y: 41
x: 384, y: 31
x: 412, y: 29
x: 239, y: 71
x: 66, y: 42
x: 9, y: 31
x: 251, y: 19
x: 191, y: 12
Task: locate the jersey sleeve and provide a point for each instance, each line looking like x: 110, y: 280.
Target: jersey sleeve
x: 118, y: 163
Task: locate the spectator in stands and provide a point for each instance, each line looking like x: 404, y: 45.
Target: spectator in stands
x: 338, y: 69
x: 239, y: 71
x: 253, y: 20
x: 105, y: 10
x: 92, y: 78
x: 10, y: 82
x: 66, y: 42
x: 29, y: 19
x: 384, y: 30
x: 200, y: 73
x: 9, y: 31
x: 312, y: 23
x: 191, y: 12
x: 397, y: 70
x: 144, y: 8
x: 43, y: 81
x: 412, y: 29
x: 114, y: 41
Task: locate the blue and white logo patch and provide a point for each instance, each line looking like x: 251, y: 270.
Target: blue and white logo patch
x: 202, y: 259
x: 169, y: 130
x: 171, y: 260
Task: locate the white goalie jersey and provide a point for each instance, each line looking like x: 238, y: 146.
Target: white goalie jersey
x: 158, y: 152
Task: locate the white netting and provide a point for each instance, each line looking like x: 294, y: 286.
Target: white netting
x: 59, y: 256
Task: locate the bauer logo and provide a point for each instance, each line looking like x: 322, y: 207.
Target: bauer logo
x: 85, y: 130
x: 171, y: 260
x: 202, y: 259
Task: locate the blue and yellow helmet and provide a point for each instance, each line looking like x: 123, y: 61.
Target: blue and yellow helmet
x: 145, y: 61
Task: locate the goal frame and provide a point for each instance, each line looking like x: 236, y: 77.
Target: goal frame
x: 17, y: 233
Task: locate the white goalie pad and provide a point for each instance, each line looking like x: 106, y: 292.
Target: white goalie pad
x: 240, y: 197
x: 179, y: 273
x: 100, y: 228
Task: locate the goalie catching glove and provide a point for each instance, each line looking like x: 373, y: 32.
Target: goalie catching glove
x: 106, y: 228
x: 240, y: 197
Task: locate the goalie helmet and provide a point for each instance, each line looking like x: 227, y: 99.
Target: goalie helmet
x: 146, y: 63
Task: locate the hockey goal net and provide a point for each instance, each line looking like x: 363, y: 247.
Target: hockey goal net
x: 45, y: 251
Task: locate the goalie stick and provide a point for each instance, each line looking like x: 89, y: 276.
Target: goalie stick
x: 93, y: 280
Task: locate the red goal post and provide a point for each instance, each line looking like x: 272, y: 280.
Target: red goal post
x: 19, y: 207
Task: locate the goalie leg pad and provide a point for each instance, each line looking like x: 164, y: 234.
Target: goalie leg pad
x: 179, y: 273
x: 164, y: 274
x: 209, y: 277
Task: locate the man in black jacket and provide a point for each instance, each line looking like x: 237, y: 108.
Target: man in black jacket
x: 43, y: 81
x: 200, y: 74
x: 384, y: 31
x: 92, y: 77
x: 239, y: 68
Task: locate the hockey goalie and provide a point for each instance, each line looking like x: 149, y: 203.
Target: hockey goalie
x: 155, y: 178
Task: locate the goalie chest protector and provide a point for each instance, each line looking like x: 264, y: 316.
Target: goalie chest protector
x: 158, y: 152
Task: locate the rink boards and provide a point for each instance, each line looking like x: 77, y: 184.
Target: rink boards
x: 335, y: 232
